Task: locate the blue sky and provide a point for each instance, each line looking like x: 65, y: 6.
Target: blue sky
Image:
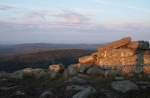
x: 73, y: 21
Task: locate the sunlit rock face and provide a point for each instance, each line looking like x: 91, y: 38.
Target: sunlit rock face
x: 87, y: 60
x: 125, y: 55
x: 56, y: 68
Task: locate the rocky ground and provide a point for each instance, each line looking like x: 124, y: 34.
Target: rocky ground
x: 73, y: 82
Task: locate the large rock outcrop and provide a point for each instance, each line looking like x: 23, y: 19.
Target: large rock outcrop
x: 125, y: 55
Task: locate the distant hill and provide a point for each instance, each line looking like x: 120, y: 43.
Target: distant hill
x: 37, y: 47
x: 41, y: 59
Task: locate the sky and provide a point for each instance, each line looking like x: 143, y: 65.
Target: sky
x: 73, y: 21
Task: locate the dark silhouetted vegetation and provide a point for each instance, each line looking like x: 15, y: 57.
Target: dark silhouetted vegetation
x: 41, y: 59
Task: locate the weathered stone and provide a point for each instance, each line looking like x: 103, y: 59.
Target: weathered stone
x: 118, y: 53
x: 71, y: 70
x: 39, y: 73
x: 146, y: 59
x: 146, y: 52
x: 17, y: 74
x: 75, y: 87
x: 28, y: 72
x: 5, y: 75
x: 143, y: 84
x: 47, y: 94
x: 19, y: 94
x: 8, y: 88
x: 125, y: 55
x: 147, y: 69
x: 116, y: 62
x: 75, y: 69
x: 84, y: 76
x: 95, y: 71
x: 106, y: 93
x: 87, y: 60
x: 76, y: 79
x: 118, y: 78
x: 85, y: 93
x: 138, y: 45
x: 83, y: 68
x: 54, y: 75
x: 124, y: 86
x: 128, y: 69
x: 56, y: 68
x: 111, y: 72
x: 115, y: 44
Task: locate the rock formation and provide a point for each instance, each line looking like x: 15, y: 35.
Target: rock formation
x: 56, y: 68
x: 125, y: 55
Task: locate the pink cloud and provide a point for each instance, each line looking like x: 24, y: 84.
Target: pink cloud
x: 71, y: 17
x: 59, y: 19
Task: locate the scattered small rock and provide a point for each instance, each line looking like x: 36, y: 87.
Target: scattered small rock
x: 54, y: 75
x: 85, y: 93
x: 39, y: 73
x: 71, y: 70
x: 84, y: 68
x: 110, y: 72
x: 76, y: 79
x: 47, y: 94
x: 4, y: 75
x: 119, y: 78
x: 124, y: 86
x: 19, y: 94
x: 74, y: 87
x: 8, y: 88
x: 95, y: 71
x: 143, y: 84
x: 17, y: 74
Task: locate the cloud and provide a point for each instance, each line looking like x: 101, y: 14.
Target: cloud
x: 72, y: 17
x: 33, y: 18
x: 98, y: 33
x: 92, y: 28
x: 56, y: 19
x: 64, y: 26
x: 6, y: 7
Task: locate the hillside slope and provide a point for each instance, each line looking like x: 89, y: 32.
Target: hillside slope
x: 37, y: 47
x: 41, y: 59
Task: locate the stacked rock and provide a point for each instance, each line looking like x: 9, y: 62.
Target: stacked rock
x: 125, y: 55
